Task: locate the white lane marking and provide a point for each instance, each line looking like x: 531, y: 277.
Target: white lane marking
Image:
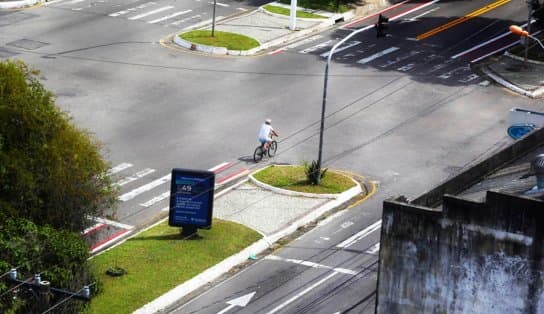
x: 123, y: 12
x: 311, y: 264
x: 220, y: 4
x: 298, y: 295
x: 74, y: 1
x: 346, y: 224
x: 483, y: 44
x: 139, y: 16
x: 144, y: 188
x: 176, y: 23
x: 120, y: 167
x: 304, y: 41
x: 348, y: 45
x: 361, y: 234
x: 319, y: 46
x: 165, y: 209
x: 136, y: 176
x: 169, y: 16
x: 156, y: 199
x: 374, y: 249
x: 448, y: 74
x: 422, y: 14
x: 241, y: 9
x: 378, y: 55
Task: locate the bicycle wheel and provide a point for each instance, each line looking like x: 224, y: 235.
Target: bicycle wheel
x: 258, y: 154
x: 272, y: 148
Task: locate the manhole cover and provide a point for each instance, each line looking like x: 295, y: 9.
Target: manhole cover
x: 27, y: 44
x: 4, y: 53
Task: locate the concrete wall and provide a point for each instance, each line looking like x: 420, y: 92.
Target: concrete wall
x: 469, y: 258
x: 474, y: 173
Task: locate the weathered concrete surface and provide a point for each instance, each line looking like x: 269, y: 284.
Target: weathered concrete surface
x: 468, y: 258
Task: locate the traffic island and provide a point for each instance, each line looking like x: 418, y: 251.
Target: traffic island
x: 222, y: 43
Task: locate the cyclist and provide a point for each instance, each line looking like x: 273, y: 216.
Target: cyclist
x: 266, y: 132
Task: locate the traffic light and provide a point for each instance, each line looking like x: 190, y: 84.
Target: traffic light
x: 380, y: 26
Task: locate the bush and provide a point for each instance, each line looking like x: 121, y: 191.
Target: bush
x: 313, y: 173
x: 59, y: 256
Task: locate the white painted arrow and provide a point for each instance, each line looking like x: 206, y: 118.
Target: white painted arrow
x: 240, y: 301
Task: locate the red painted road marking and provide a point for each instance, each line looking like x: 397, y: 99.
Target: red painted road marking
x: 94, y: 228
x: 237, y: 174
x: 220, y: 167
x: 275, y: 52
x: 108, y: 240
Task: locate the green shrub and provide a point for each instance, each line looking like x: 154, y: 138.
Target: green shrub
x: 313, y: 173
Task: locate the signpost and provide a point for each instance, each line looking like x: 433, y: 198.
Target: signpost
x: 191, y: 200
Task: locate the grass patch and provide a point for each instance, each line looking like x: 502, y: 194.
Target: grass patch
x: 231, y: 41
x: 294, y: 179
x: 325, y: 5
x: 158, y: 260
x: 285, y: 11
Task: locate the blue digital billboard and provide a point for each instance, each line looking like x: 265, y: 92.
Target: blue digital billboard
x: 191, y: 198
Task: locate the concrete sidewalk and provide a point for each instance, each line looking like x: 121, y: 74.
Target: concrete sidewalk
x: 273, y: 212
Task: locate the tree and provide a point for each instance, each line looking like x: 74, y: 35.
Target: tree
x: 51, y: 172
x: 59, y: 255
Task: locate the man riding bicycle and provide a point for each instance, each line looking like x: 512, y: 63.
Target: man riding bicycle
x: 266, y: 132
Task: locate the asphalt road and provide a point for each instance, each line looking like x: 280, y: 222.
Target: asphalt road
x: 399, y: 111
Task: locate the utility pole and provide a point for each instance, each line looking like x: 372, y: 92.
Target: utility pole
x: 213, y: 18
x: 530, y: 4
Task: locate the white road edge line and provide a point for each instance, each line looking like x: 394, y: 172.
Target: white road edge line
x: 361, y: 234
x: 311, y: 264
x: 303, y: 292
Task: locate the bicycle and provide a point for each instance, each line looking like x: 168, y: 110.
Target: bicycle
x: 260, y: 151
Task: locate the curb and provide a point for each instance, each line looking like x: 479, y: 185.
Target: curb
x: 171, y: 297
x: 18, y: 4
x: 539, y: 92
x: 356, y: 189
x: 296, y: 34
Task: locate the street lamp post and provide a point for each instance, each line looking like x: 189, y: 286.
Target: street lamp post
x: 519, y: 31
x: 213, y: 17
x: 322, y: 127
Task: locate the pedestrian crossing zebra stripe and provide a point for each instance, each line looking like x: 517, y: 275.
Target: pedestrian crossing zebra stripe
x: 144, y: 188
x: 164, y: 18
x: 139, y: 16
x: 119, y: 168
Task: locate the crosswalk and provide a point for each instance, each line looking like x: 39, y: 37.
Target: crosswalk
x: 157, y: 12
x: 144, y: 192
x: 420, y: 61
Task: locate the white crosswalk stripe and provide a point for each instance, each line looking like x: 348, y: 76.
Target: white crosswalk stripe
x: 144, y: 188
x: 134, y: 177
x: 139, y: 16
x: 156, y: 199
x: 119, y: 168
x: 123, y: 12
x: 169, y: 16
x: 176, y: 23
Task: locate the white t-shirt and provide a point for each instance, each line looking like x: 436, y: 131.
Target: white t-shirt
x: 264, y: 132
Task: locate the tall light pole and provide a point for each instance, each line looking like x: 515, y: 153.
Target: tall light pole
x: 293, y: 15
x: 322, y: 127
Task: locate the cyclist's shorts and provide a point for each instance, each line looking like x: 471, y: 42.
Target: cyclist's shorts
x: 264, y: 140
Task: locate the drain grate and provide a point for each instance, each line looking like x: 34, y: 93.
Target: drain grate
x: 27, y: 44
